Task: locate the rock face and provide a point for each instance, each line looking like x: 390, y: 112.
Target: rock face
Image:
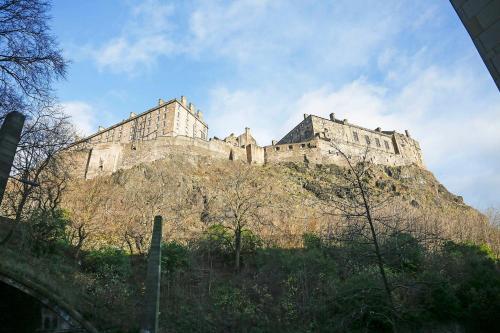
x: 184, y: 180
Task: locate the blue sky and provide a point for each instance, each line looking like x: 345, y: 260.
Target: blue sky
x: 399, y: 64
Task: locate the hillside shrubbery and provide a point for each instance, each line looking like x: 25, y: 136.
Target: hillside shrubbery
x: 325, y: 287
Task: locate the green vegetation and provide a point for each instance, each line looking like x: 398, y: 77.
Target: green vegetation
x: 324, y: 286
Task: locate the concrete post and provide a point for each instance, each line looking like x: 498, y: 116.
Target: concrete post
x: 10, y: 134
x: 152, y: 294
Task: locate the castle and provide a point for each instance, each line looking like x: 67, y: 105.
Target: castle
x: 177, y: 127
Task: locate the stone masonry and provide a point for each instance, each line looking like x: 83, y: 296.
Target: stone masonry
x: 176, y: 128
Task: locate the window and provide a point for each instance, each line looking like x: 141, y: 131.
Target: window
x: 290, y: 147
x: 277, y: 148
x: 386, y: 145
x: 367, y: 139
x: 377, y: 141
x: 355, y: 136
x: 303, y: 145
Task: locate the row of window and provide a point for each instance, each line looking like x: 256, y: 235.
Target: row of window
x: 368, y: 140
x: 290, y: 147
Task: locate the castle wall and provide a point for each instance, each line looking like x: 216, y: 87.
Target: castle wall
x: 352, y: 134
x: 325, y: 151
x: 409, y: 149
x: 175, y: 127
x: 255, y: 154
x: 388, y: 148
x: 106, y: 158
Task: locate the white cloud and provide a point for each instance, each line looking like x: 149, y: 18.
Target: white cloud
x: 83, y: 116
x: 145, y: 37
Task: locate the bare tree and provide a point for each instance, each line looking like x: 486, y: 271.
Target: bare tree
x: 41, y: 175
x: 238, y: 199
x: 359, y: 203
x: 30, y: 59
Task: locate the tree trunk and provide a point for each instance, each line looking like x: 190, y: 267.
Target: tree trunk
x: 378, y: 254
x: 237, y: 248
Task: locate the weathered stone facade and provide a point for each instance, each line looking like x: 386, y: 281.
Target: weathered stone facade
x: 317, y: 139
x: 180, y: 130
x: 167, y: 119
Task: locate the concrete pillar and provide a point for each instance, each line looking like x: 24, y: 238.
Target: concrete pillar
x: 482, y: 21
x: 152, y: 295
x: 10, y: 134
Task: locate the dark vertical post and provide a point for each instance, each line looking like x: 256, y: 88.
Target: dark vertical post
x: 152, y: 294
x: 10, y: 134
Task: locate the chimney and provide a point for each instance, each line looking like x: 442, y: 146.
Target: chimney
x: 305, y: 115
x: 332, y: 116
x: 132, y: 115
x: 247, y: 135
x: 345, y: 121
x: 273, y: 142
x: 100, y: 129
x: 407, y: 133
x: 378, y: 129
x: 199, y: 114
x: 184, y: 101
x: 192, y: 108
x: 160, y: 101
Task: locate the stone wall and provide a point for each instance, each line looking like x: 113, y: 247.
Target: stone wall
x: 106, y: 158
x: 386, y: 147
x: 301, y: 133
x: 325, y: 151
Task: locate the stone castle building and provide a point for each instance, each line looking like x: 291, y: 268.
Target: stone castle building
x: 176, y: 127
